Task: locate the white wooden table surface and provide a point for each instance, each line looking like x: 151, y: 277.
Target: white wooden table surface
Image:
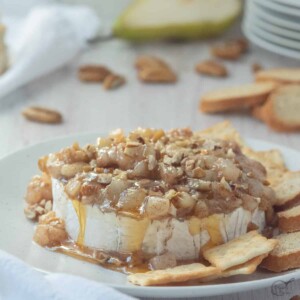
x: 87, y: 107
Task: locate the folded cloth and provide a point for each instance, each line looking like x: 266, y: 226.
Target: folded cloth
x: 21, y: 282
x: 50, y: 36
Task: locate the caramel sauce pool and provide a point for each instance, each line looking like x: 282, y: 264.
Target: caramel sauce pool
x: 112, y: 261
x: 98, y: 257
x: 120, y: 262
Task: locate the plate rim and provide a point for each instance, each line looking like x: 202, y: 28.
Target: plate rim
x: 180, y: 291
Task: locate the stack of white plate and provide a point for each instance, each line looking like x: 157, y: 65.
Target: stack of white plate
x: 274, y: 25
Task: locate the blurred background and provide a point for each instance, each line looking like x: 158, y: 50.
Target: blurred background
x: 47, y: 42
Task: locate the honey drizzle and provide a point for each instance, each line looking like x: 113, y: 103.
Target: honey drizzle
x: 213, y: 228
x: 81, y: 214
x: 109, y: 261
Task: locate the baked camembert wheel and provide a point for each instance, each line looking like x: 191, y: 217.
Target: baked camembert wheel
x: 148, y: 200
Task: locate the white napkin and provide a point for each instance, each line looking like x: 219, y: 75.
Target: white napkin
x: 21, y: 282
x: 50, y: 36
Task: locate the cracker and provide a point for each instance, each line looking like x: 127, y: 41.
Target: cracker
x: 239, y: 250
x: 244, y: 269
x: 272, y: 160
x: 176, y: 274
x: 223, y: 130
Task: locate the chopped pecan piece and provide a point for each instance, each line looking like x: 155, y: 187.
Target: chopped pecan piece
x: 212, y: 68
x: 152, y: 69
x: 93, y: 73
x: 231, y: 50
x: 42, y: 115
x: 146, y: 62
x: 158, y: 75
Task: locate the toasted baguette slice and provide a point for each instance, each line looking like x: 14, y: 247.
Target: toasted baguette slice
x: 286, y: 255
x: 282, y: 109
x: 289, y: 220
x: 280, y: 75
x: 234, y: 98
x: 258, y: 112
x: 288, y: 190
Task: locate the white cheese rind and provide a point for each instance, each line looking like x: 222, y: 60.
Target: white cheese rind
x: 259, y: 219
x: 105, y: 231
x: 112, y: 232
x: 182, y: 243
x: 64, y: 209
x: 156, y: 236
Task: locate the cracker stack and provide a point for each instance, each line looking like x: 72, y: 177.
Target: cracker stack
x: 286, y: 255
x: 286, y: 185
x: 240, y: 256
x: 273, y: 99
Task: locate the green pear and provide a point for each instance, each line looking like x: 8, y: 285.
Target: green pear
x: 176, y: 19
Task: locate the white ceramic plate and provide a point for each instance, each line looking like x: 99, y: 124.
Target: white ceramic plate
x: 295, y: 3
x: 283, y: 32
x: 16, y: 232
x: 272, y: 17
x: 278, y: 7
x: 275, y: 39
x: 260, y: 41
